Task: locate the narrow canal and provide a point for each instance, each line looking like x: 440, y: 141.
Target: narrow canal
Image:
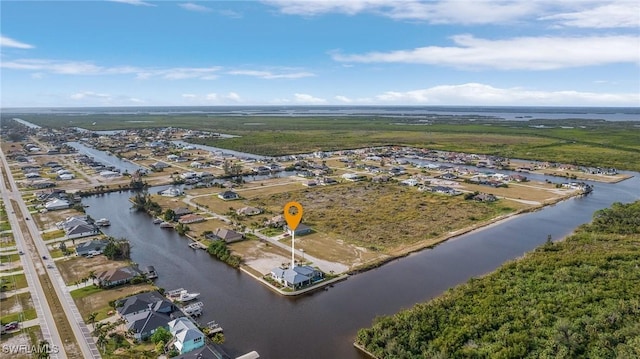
x: 324, y: 324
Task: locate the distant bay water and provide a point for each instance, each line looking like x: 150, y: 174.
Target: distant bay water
x: 521, y: 113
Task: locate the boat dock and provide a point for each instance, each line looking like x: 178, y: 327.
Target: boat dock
x: 212, y: 328
x: 197, y: 245
x: 193, y: 310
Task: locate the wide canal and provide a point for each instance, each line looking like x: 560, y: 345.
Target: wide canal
x: 324, y: 324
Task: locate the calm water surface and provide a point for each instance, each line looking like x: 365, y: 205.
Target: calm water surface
x: 324, y: 324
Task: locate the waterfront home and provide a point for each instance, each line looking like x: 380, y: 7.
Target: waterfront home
x: 190, y: 218
x: 98, y: 245
x: 110, y: 174
x: 186, y: 335
x: 296, y: 277
x: 50, y: 194
x: 248, y: 211
x: 118, y: 276
x: 181, y: 211
x: 142, y: 325
x: 228, y: 195
x: 145, y: 302
x: 301, y: 230
x: 227, y: 235
x: 171, y: 192
x: 56, y: 204
x: 78, y: 227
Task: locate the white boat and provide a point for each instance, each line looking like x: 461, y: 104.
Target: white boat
x: 166, y: 225
x: 103, y: 222
x: 157, y: 221
x: 186, y: 296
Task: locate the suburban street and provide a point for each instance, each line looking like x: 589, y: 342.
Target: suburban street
x: 33, y: 266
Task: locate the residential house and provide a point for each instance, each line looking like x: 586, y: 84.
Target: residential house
x: 171, y: 192
x: 187, y: 336
x: 118, y: 276
x: 301, y: 230
x: 181, y: 211
x: 228, y: 195
x: 144, y: 302
x: 190, y: 218
x: 56, y: 204
x: 296, y: 277
x: 42, y: 184
x: 142, y: 325
x: 110, y: 174
x: 97, y: 245
x: 226, y: 235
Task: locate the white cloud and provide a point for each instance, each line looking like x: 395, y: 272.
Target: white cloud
x: 447, y: 11
x: 618, y: 14
x: 343, y: 99
x: 88, y: 68
x: 232, y: 96
x: 9, y: 42
x: 308, y: 99
x: 584, y: 13
x: 194, y: 7
x: 484, y: 95
x: 270, y: 75
x: 90, y: 95
x: 523, y: 53
x: 134, y: 2
x: 211, y: 97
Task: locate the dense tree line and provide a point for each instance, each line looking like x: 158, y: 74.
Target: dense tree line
x: 579, y: 298
x: 219, y: 250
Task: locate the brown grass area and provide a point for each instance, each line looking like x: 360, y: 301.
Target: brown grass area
x: 196, y: 229
x: 328, y: 247
x: 48, y: 220
x: 75, y: 268
x: 530, y: 191
x: 383, y: 216
x: 99, y: 302
x: 269, y: 189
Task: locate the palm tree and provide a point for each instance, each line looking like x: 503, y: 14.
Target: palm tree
x: 92, y: 318
x: 93, y: 276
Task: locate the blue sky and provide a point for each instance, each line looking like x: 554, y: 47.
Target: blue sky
x: 356, y: 52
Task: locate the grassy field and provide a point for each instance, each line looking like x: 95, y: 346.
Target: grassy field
x: 14, y: 306
x: 381, y: 217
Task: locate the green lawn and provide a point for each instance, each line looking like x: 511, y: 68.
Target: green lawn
x: 85, y: 291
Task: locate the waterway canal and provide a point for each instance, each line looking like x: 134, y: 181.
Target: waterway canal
x: 324, y: 324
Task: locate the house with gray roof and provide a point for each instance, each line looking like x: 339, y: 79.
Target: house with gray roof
x: 143, y: 324
x: 301, y: 230
x: 118, y: 276
x: 97, y: 245
x: 187, y: 336
x: 226, y: 235
x: 144, y: 302
x: 296, y: 277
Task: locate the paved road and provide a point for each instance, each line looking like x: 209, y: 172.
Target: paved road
x: 49, y: 330
x: 43, y: 311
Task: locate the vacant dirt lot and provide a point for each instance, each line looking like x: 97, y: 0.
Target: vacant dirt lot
x: 76, y: 268
x: 379, y: 217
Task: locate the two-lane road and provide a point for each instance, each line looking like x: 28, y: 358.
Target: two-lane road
x: 33, y: 266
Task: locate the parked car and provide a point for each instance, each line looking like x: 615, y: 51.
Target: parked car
x: 11, y: 326
x: 44, y: 257
x: 50, y: 266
